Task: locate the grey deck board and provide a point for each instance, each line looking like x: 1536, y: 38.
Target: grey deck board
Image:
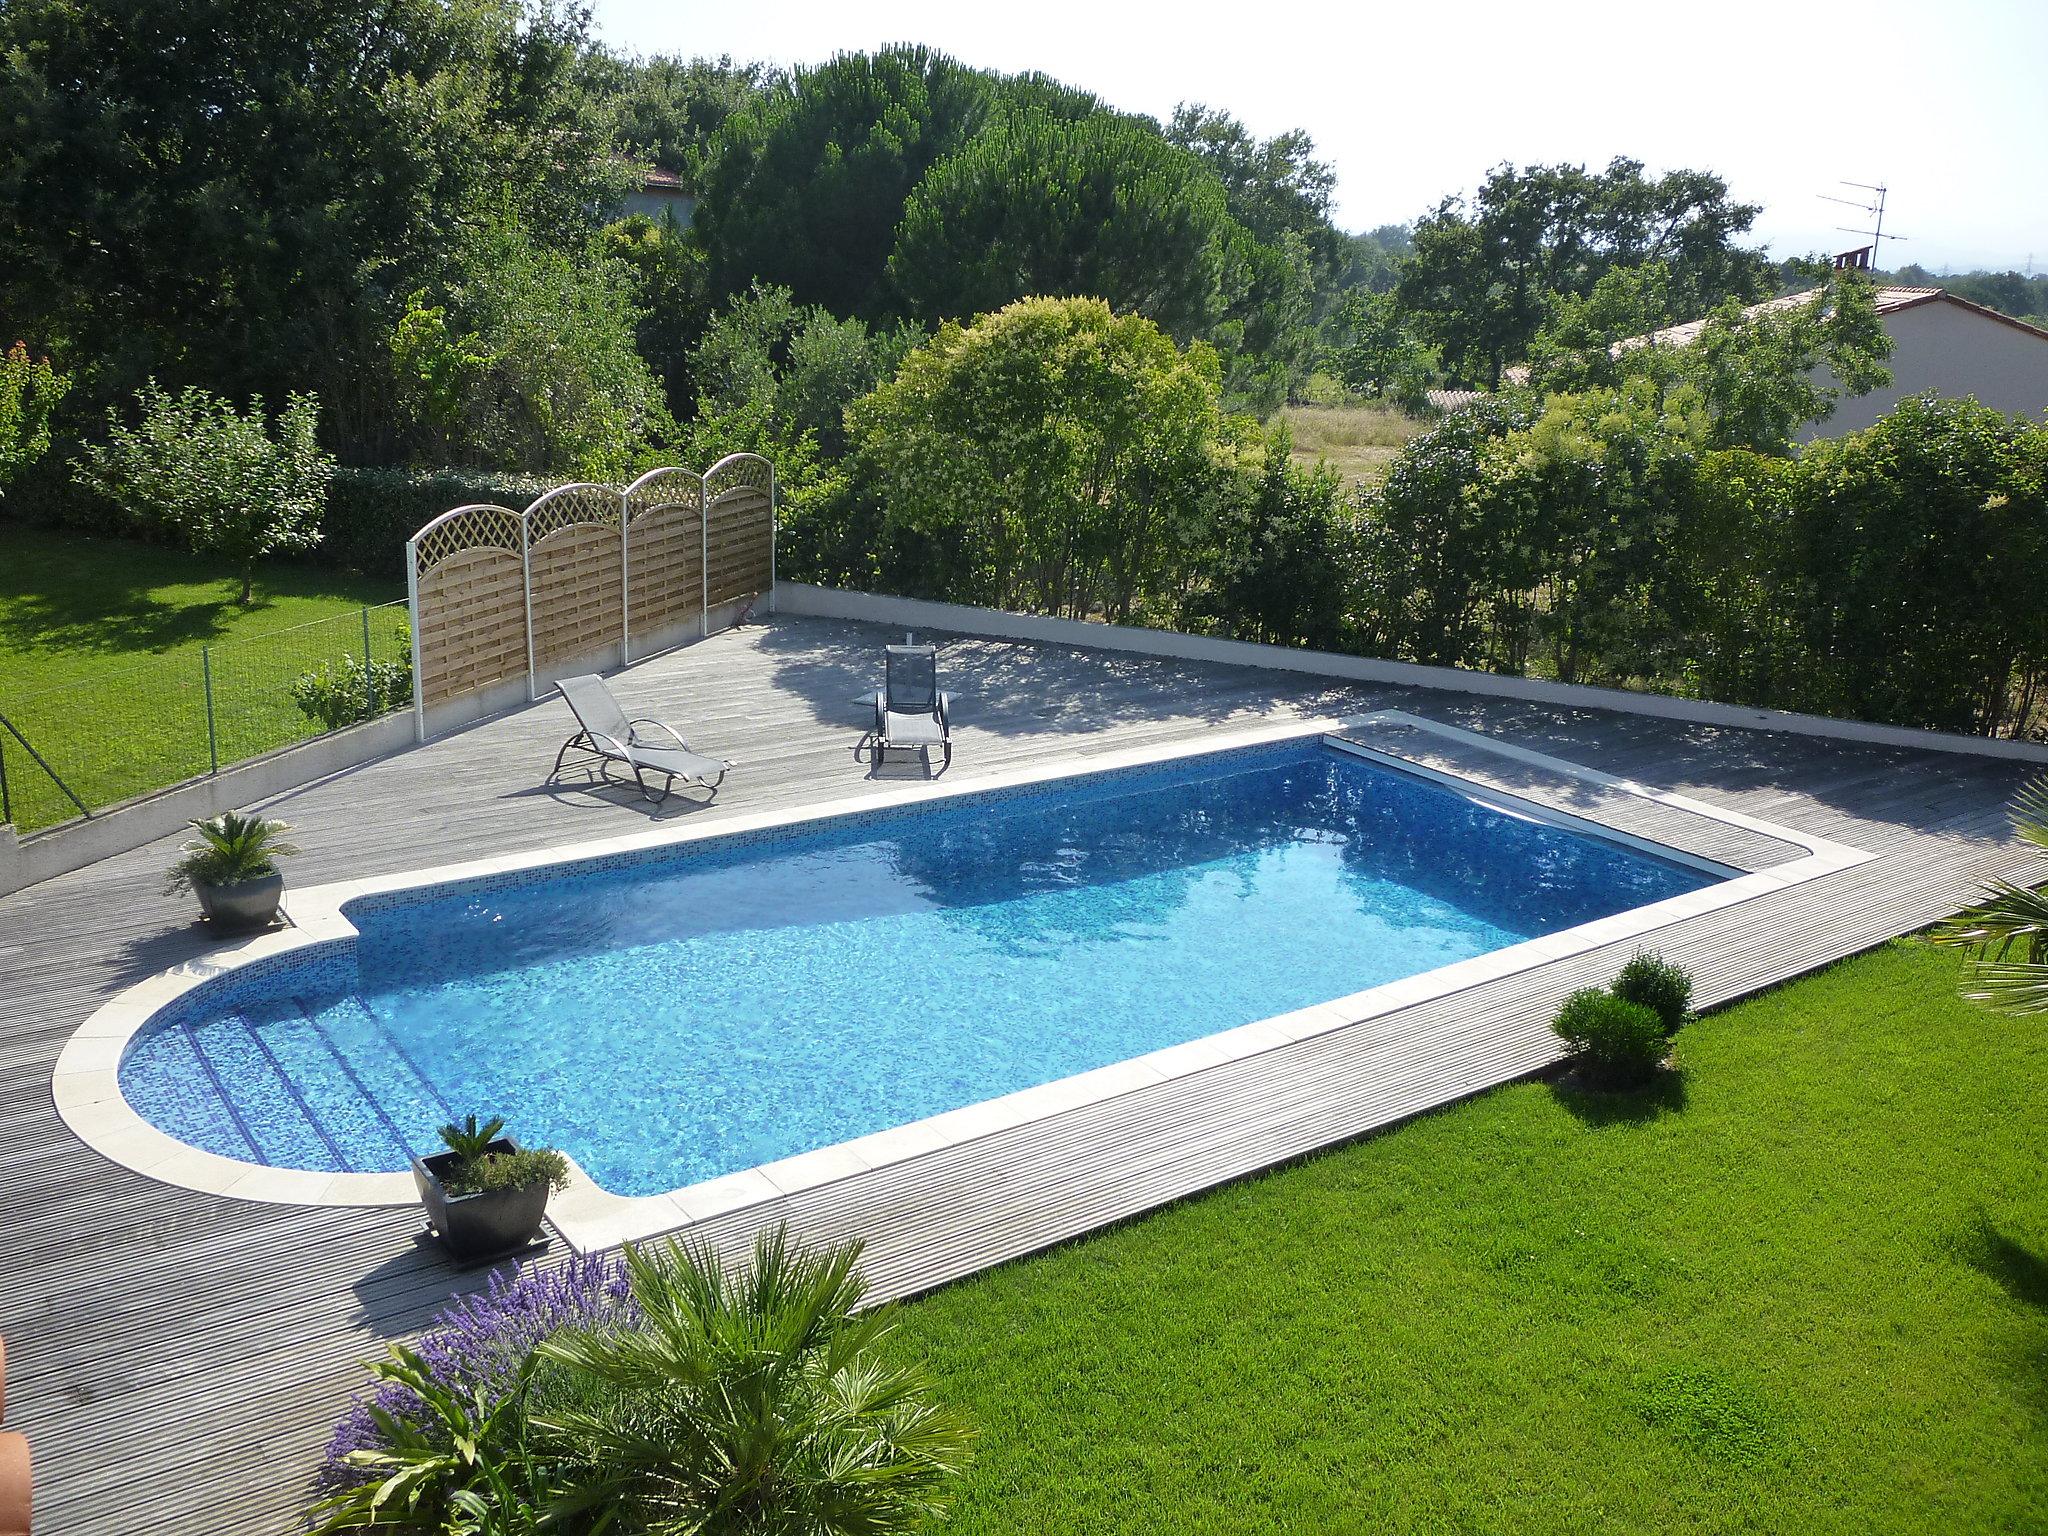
x: 178, y: 1358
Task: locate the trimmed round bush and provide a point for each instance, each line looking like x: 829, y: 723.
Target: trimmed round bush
x: 1663, y: 988
x: 1614, y: 1042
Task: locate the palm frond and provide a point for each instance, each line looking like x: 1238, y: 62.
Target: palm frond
x: 2029, y: 812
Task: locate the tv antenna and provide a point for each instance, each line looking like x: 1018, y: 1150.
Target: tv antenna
x: 1871, y: 208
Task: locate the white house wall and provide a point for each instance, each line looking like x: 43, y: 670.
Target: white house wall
x: 1953, y: 351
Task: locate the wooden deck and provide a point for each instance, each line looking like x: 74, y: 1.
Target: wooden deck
x: 178, y: 1358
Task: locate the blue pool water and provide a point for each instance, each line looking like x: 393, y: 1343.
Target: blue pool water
x: 710, y: 1008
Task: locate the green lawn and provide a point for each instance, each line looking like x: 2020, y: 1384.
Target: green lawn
x: 101, y: 667
x: 1808, y: 1293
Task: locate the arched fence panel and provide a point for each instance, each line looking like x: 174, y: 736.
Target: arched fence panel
x: 575, y: 569
x: 588, y: 576
x: 664, y: 536
x: 739, y: 528
x: 466, y: 582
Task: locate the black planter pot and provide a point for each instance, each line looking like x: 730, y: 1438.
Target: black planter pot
x: 487, y: 1223
x: 244, y: 905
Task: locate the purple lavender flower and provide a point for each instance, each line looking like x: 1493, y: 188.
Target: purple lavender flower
x: 480, y: 1340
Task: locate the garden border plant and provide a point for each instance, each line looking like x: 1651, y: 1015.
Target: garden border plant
x: 486, y: 1195
x: 231, y: 866
x: 1619, y: 1037
x: 654, y: 1390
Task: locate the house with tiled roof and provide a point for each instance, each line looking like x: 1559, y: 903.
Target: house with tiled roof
x: 661, y: 195
x: 1939, y: 342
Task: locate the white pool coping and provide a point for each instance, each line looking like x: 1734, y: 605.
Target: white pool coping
x: 86, y: 1082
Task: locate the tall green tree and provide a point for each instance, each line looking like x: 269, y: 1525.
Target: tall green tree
x: 241, y: 195
x: 1274, y: 187
x: 1374, y: 353
x: 1288, y: 558
x: 1036, y: 204
x: 525, y: 359
x: 666, y: 110
x: 1922, y: 547
x: 806, y: 184
x: 1483, y: 274
x: 1764, y: 371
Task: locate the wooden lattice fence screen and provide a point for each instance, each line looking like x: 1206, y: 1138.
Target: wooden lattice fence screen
x: 586, y: 577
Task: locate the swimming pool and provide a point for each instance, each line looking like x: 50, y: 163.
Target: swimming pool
x: 709, y: 1007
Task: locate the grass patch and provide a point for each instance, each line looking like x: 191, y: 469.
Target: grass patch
x: 1813, y: 1296
x: 101, y: 665
x: 1359, y: 441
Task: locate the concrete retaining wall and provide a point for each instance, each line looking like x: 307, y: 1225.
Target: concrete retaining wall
x: 918, y: 613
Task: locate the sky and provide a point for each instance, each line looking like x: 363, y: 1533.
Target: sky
x: 1945, y: 104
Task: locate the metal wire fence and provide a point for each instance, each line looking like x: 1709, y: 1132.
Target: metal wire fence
x: 86, y: 745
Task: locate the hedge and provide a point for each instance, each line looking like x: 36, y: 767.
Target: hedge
x: 372, y: 512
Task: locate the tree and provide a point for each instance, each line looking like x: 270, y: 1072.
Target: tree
x: 1373, y: 259
x: 667, y: 110
x: 1274, y: 187
x: 806, y: 184
x: 1595, y: 488
x: 1482, y: 276
x: 1766, y: 374
x: 1764, y: 370
x: 1921, y: 546
x: 1036, y: 204
x: 669, y: 290
x: 758, y: 1400
x: 29, y: 391
x: 1054, y: 456
x: 1375, y: 354
x: 214, y: 476
x: 241, y: 195
x: 527, y: 361
x: 1286, y: 569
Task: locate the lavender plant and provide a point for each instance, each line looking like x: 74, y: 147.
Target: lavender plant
x: 481, y: 1342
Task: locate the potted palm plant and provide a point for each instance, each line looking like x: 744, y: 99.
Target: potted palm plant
x: 232, y: 867
x: 486, y: 1195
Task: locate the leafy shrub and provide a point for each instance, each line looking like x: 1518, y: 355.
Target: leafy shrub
x: 349, y: 692
x: 230, y: 848
x: 1614, y: 1042
x: 675, y: 1395
x: 29, y: 391
x: 1663, y: 988
x: 214, y: 476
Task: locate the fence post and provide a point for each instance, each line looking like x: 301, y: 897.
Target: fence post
x: 412, y: 625
x: 6, y: 805
x: 369, y: 678
x: 626, y: 576
x: 212, y: 735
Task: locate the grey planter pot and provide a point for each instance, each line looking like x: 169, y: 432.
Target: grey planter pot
x: 485, y: 1224
x: 243, y: 905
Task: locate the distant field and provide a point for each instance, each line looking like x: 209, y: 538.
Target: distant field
x: 1359, y: 441
x: 101, y: 664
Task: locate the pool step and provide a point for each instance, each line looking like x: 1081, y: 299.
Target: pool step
x: 404, y: 1100
x: 241, y: 1053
